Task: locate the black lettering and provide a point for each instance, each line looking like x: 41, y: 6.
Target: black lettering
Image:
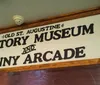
x: 2, y: 43
x: 38, y: 38
x: 28, y: 59
x: 65, y: 33
x: 80, y: 52
x: 57, y: 55
x: 37, y: 57
x: 45, y: 55
x: 88, y: 30
x: 17, y: 41
x: 19, y: 33
x: 48, y: 38
x: 57, y: 35
x: 29, y: 32
x: 7, y: 61
x: 9, y: 42
x: 1, y: 59
x: 67, y: 52
x: 78, y: 32
x: 29, y: 49
x: 15, y: 59
x: 42, y: 29
x: 24, y: 40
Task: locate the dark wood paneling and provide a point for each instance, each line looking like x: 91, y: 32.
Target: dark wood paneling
x: 83, y: 75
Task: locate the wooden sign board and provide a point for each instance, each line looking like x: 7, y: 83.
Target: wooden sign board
x: 67, y: 43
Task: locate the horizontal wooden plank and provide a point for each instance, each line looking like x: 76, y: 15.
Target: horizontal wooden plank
x: 63, y: 17
x: 53, y: 65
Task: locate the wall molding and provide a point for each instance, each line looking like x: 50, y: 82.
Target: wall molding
x: 63, y: 17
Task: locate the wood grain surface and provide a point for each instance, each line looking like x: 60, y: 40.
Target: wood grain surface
x: 53, y: 65
x: 81, y: 75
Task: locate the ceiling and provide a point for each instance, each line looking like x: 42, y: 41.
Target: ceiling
x: 33, y: 10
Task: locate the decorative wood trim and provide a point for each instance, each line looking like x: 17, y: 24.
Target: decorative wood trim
x: 69, y: 16
x: 53, y: 65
